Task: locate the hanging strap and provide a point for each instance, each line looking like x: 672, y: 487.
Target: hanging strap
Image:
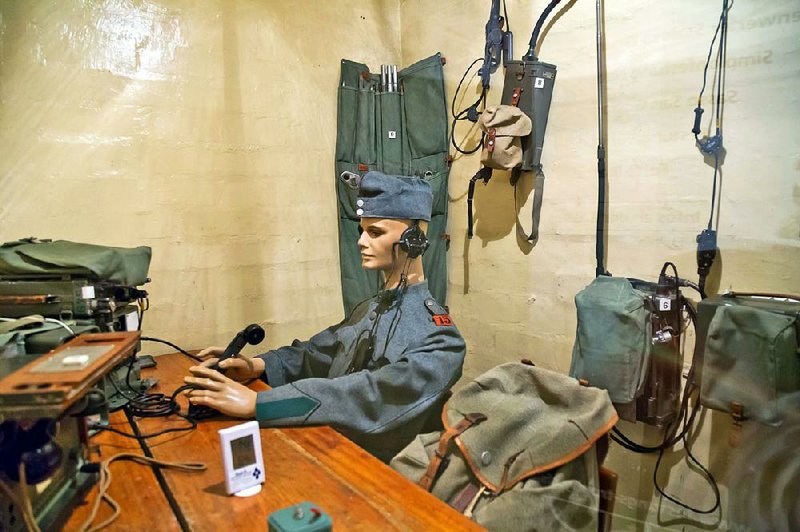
x: 536, y: 210
x: 470, y: 420
x: 485, y: 174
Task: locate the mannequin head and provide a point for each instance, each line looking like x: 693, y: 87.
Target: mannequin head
x: 378, y: 244
x: 389, y: 205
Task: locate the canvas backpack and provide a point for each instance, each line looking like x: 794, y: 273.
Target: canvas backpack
x: 518, y: 450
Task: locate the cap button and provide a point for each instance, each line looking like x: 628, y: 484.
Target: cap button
x: 360, y: 203
x: 359, y: 212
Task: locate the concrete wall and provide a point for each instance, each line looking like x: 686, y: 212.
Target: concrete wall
x: 206, y: 130
x: 203, y: 129
x: 511, y: 302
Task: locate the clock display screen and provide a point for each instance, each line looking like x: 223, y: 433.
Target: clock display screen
x: 243, y: 452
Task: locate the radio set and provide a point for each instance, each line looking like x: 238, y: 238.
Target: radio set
x: 44, y: 407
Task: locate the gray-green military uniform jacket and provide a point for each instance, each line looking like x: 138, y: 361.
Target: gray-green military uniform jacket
x: 377, y: 377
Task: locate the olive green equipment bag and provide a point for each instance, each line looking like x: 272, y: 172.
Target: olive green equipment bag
x: 628, y: 341
x: 518, y: 451
x: 749, y: 356
x: 398, y: 128
x: 33, y: 258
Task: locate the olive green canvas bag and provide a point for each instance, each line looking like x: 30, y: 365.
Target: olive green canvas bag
x: 33, y: 257
x: 613, y: 339
x: 750, y: 354
x: 518, y: 451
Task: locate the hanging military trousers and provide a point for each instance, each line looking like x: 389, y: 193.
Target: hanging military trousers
x: 402, y: 131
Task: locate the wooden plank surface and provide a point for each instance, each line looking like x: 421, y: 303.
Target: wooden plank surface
x: 135, y: 487
x: 302, y: 464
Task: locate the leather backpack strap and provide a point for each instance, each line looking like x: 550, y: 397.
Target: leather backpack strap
x: 470, y: 420
x: 491, y: 133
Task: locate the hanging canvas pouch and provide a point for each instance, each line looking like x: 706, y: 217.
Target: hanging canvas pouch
x: 504, y: 126
x: 612, y: 344
x: 751, y: 362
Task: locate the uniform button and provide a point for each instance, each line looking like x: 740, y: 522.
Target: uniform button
x: 360, y: 203
x: 360, y: 212
x: 486, y: 458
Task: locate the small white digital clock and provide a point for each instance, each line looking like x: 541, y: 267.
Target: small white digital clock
x: 241, y: 457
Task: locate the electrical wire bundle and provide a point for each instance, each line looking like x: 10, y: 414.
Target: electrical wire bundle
x: 471, y: 112
x: 144, y: 405
x: 712, y: 145
x: 105, y: 482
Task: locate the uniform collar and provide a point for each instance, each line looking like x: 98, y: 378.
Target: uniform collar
x: 413, y: 289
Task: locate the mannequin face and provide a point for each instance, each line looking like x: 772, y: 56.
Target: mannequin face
x: 377, y: 239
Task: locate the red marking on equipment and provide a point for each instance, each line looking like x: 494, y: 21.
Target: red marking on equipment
x: 362, y: 167
x: 442, y: 320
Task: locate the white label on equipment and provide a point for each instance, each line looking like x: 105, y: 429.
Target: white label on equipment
x: 87, y: 292
x: 132, y: 321
x: 664, y: 303
x: 392, y: 134
x: 538, y: 83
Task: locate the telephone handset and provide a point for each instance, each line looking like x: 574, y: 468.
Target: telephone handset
x: 253, y: 334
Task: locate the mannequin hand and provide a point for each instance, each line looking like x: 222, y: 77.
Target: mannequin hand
x: 238, y: 368
x: 220, y: 392
x: 211, y: 351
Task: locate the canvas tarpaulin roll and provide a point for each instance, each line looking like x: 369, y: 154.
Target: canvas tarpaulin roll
x: 401, y: 132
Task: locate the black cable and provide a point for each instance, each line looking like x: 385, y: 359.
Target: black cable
x: 156, y: 405
x: 705, y: 472
x: 464, y: 114
x: 182, y: 351
x: 720, y: 75
x: 142, y: 308
x: 531, y: 55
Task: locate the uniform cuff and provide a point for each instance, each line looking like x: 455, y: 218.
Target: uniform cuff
x: 286, y: 404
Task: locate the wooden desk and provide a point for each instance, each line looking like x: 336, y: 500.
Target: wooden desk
x: 144, y: 504
x: 315, y: 464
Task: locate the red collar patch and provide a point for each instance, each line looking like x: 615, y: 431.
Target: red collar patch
x: 442, y: 320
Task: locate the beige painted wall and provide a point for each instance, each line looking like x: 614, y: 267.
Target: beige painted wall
x: 511, y: 305
x: 203, y: 129
x: 206, y: 130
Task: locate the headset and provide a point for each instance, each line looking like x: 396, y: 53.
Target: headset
x: 413, y: 241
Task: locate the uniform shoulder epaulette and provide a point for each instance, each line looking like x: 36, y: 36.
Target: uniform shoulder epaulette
x: 439, y: 314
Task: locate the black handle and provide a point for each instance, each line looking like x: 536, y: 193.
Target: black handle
x: 698, y: 115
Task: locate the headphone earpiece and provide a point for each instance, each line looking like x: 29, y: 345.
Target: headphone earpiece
x: 413, y: 241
